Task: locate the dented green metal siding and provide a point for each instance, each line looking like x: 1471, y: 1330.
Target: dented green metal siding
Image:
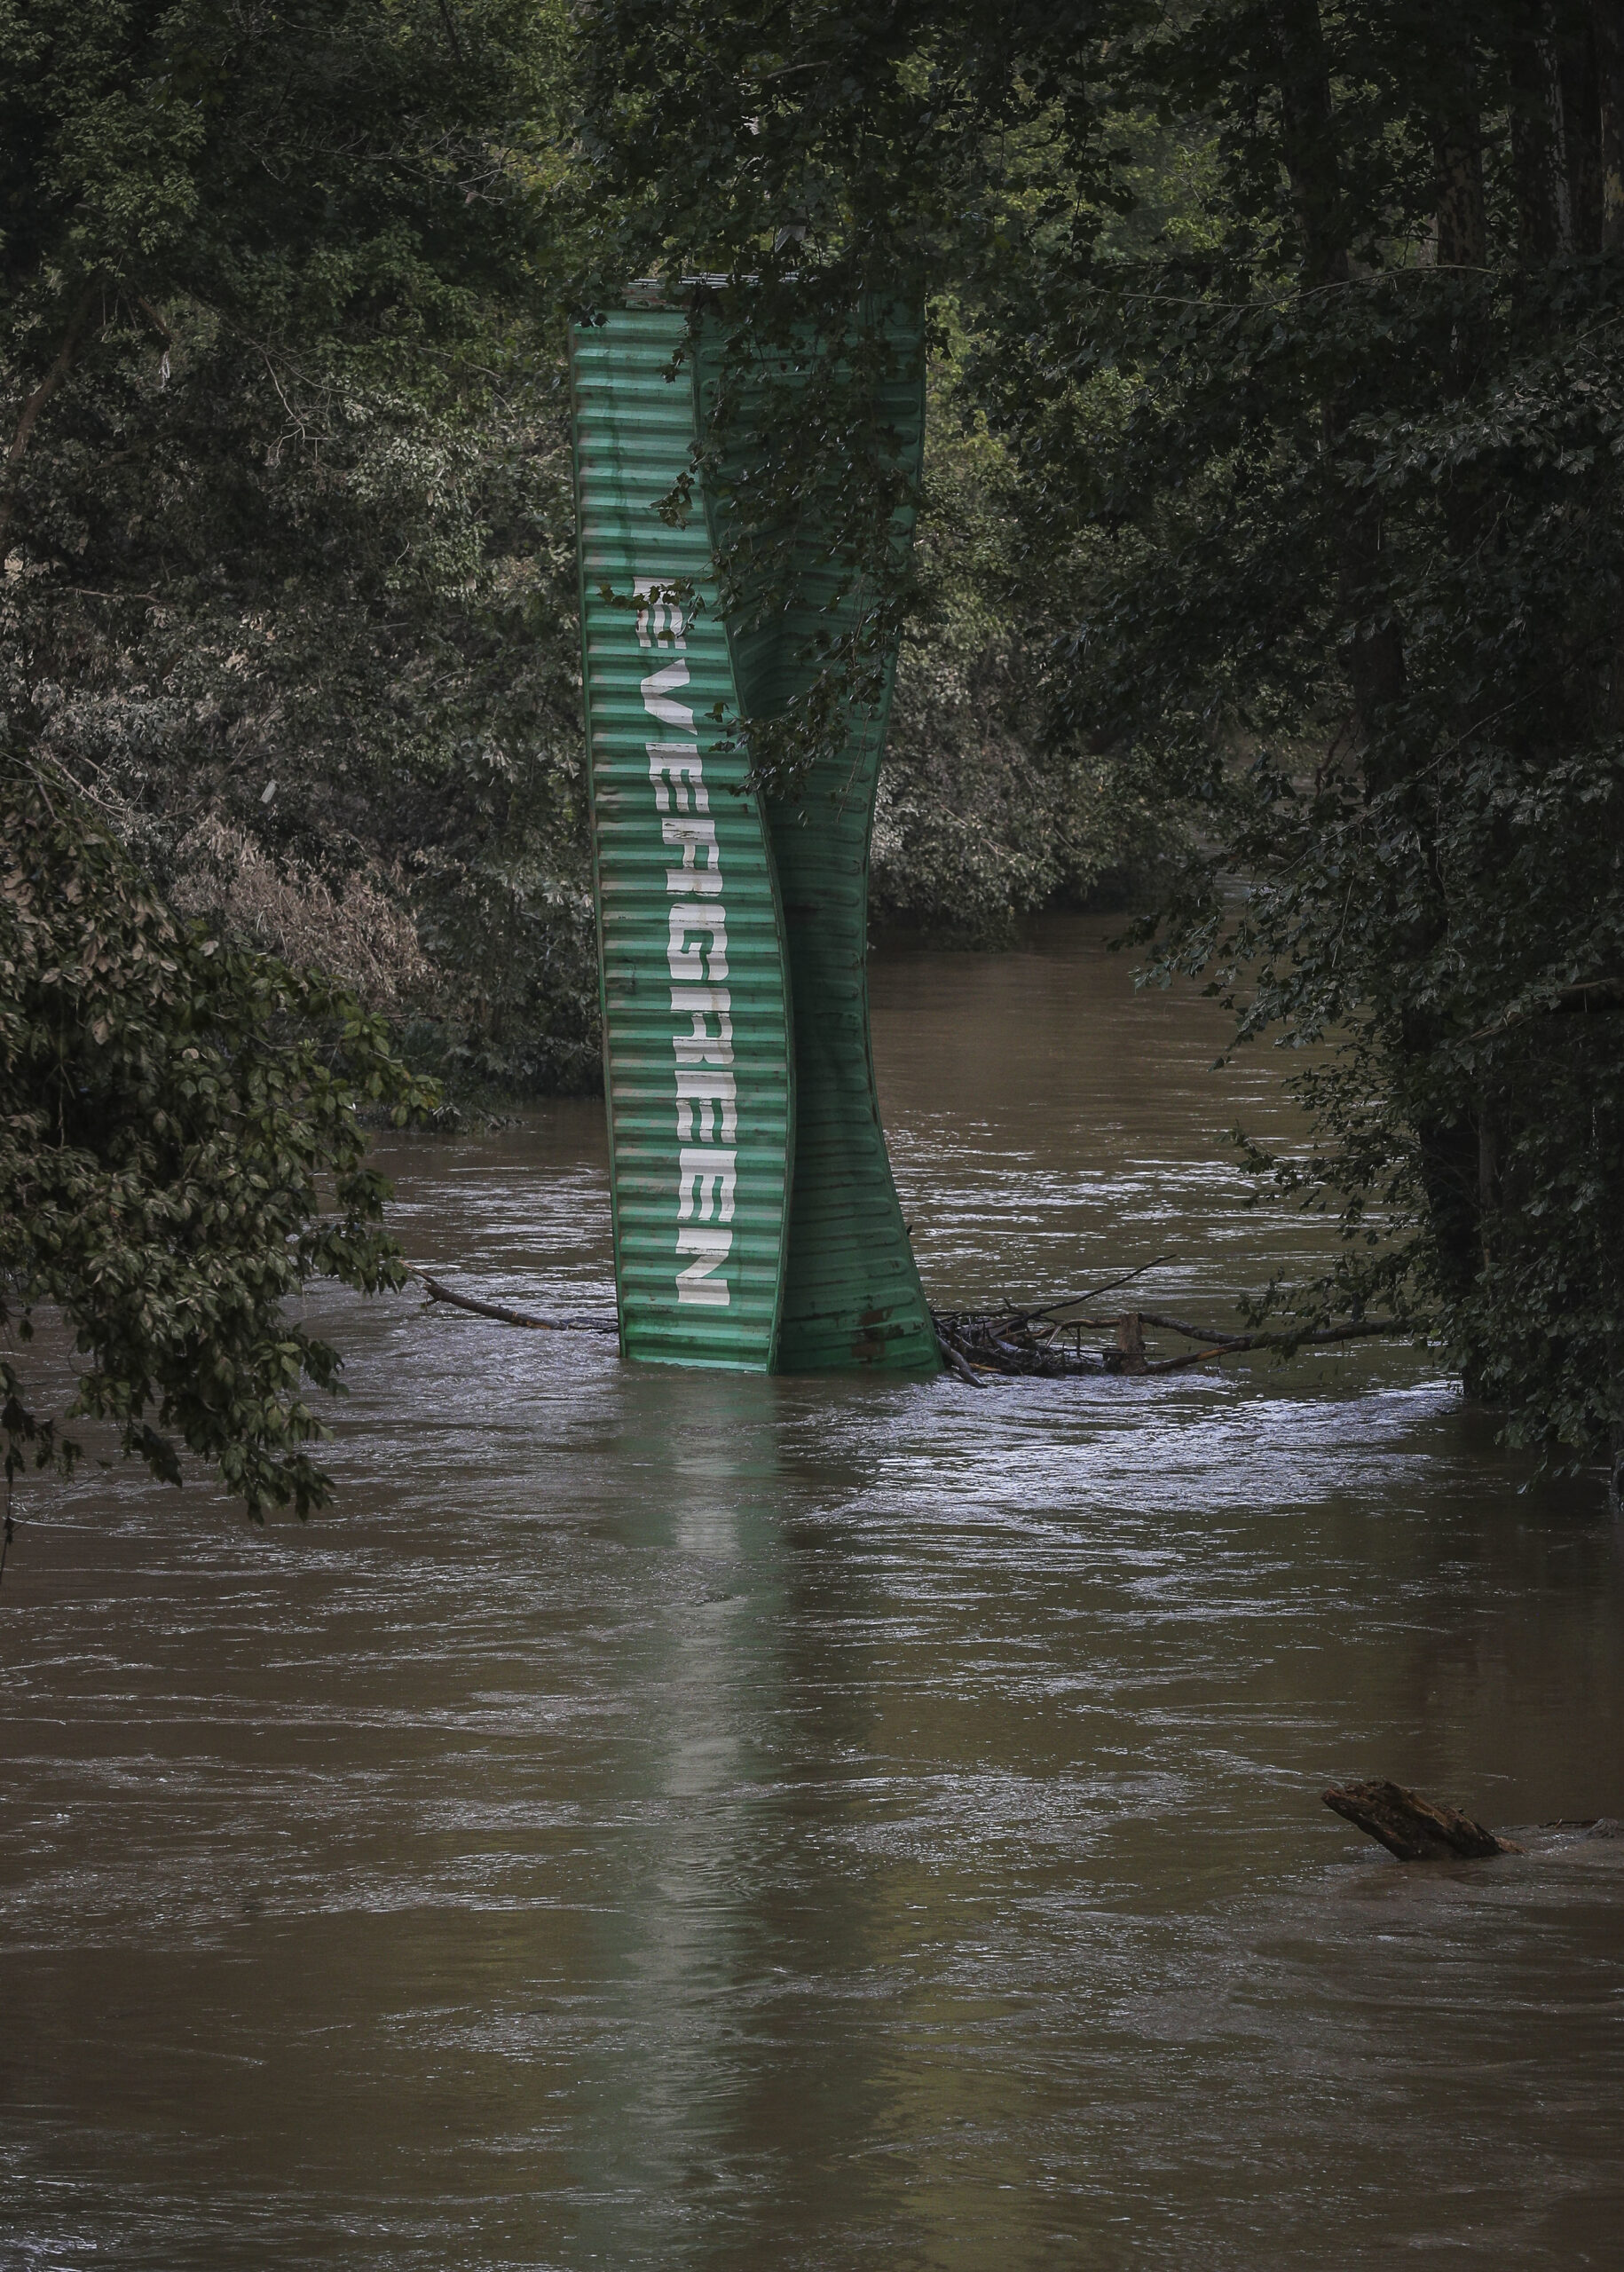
x: 696, y: 1014
x: 852, y: 1293
x: 845, y: 1291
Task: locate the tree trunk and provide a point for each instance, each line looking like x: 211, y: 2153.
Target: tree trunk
x: 1581, y: 119
x: 1607, y: 24
x: 1488, y: 1176
x: 1539, y: 146
x: 1457, y: 154
x: 1453, y: 1158
x: 1308, y: 136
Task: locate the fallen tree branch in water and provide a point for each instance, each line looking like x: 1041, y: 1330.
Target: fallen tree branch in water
x: 505, y: 1316
x: 1414, y: 1828
x: 1190, y: 1332
x: 1237, y: 1345
x: 974, y: 1344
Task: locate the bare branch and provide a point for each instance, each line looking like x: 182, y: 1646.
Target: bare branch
x: 505, y: 1316
x: 1071, y: 1301
x: 957, y: 1364
x: 1289, y: 1341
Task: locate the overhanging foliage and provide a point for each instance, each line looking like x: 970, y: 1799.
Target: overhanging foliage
x: 180, y: 1153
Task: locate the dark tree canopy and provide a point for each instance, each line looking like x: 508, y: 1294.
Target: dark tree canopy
x: 286, y: 487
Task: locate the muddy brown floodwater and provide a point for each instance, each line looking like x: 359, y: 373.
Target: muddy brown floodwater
x: 663, y: 1820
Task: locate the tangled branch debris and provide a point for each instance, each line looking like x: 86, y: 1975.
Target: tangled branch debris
x: 1046, y: 1343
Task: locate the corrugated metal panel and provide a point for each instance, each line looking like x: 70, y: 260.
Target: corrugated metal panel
x: 851, y: 1291
x: 695, y: 1016
x: 716, y: 1263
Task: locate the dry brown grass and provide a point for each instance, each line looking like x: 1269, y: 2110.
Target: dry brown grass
x: 363, y: 936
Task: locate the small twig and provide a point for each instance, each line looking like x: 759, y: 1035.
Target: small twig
x: 79, y: 592
x: 297, y: 423
x: 1070, y: 1301
x: 505, y: 1316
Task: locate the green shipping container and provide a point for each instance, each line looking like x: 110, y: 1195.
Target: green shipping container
x: 756, y: 1224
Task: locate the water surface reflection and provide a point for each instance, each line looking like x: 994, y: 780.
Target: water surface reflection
x: 680, y: 1821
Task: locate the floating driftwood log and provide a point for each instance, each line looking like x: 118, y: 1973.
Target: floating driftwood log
x: 1414, y: 1828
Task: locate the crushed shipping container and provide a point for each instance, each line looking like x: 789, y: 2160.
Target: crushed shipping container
x: 756, y: 1223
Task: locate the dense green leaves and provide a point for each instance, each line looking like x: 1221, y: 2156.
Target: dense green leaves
x: 180, y: 1153
x: 286, y: 612
x: 986, y: 810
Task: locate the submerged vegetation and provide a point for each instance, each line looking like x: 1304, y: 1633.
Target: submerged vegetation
x: 1270, y: 577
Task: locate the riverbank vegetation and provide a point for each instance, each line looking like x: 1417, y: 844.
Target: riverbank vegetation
x: 1271, y: 571
x: 286, y: 648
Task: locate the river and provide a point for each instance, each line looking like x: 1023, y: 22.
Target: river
x: 661, y: 1820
